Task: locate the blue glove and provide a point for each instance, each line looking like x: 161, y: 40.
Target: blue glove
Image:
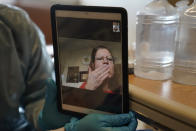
x: 102, y: 122
x: 50, y: 117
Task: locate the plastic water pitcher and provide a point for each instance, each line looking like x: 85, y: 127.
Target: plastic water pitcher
x: 156, y: 27
x: 185, y: 55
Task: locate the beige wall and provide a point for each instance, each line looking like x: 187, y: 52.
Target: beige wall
x: 74, y: 51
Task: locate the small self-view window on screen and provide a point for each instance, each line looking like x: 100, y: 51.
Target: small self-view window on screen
x: 90, y: 61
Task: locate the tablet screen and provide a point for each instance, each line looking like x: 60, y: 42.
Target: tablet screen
x: 90, y: 64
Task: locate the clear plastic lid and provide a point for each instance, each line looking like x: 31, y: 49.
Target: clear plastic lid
x: 159, y: 10
x: 182, y: 5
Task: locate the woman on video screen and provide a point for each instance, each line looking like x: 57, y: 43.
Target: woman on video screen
x: 101, y: 71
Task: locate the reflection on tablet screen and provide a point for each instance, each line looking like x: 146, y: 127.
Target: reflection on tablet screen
x: 90, y: 61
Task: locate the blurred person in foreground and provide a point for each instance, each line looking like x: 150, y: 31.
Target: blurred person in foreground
x: 24, y: 68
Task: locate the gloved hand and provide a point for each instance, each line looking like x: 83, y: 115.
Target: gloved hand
x: 102, y: 122
x: 50, y: 117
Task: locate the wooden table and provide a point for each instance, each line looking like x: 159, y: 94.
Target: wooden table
x: 169, y: 104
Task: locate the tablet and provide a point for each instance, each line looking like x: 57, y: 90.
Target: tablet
x: 91, y: 58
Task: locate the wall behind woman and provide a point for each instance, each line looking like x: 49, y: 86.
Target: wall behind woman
x: 75, y: 51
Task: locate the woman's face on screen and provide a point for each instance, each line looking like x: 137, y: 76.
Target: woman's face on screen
x: 104, y: 57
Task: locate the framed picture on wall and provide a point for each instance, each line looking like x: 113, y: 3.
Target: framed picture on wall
x: 73, y: 74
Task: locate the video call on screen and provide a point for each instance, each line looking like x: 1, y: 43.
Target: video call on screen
x: 76, y: 39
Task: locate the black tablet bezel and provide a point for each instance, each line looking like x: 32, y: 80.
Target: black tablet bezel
x: 123, y: 12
